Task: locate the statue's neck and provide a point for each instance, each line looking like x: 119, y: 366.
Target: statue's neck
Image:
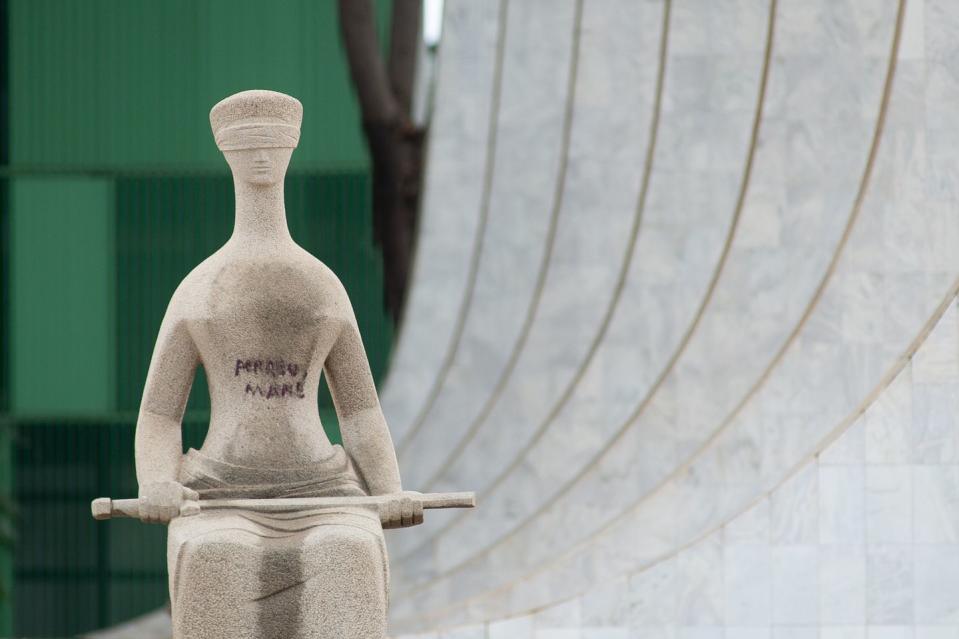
x: 260, y: 214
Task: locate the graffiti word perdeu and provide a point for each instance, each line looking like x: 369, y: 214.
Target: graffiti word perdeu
x: 275, y: 387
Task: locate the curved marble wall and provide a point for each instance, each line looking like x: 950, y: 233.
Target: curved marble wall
x: 530, y: 161
x: 709, y: 238
x: 460, y: 154
x: 596, y: 227
x: 860, y: 539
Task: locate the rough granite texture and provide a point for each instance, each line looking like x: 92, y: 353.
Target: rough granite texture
x: 265, y: 319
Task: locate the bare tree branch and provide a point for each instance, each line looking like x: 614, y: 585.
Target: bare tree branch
x: 358, y: 26
x: 404, y: 44
x: 394, y: 143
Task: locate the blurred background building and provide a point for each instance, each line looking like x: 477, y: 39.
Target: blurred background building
x: 682, y: 310
x: 112, y: 190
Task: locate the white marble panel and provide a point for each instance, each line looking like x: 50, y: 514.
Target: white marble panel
x: 842, y: 584
x: 794, y: 509
x: 770, y: 588
x: 859, y: 540
x: 936, y: 504
x: 687, y: 218
x: 849, y: 531
x: 748, y: 584
x: 849, y: 448
x: 612, y: 107
x: 562, y: 621
x: 889, y: 591
x: 467, y: 632
x: 450, y: 214
x: 889, y: 424
x: 597, y: 224
x: 750, y: 528
x: 748, y: 632
x: 937, y: 582
x: 518, y: 628
x: 699, y: 632
x: 795, y: 595
x: 589, y: 632
x: 936, y: 413
x: 889, y: 504
x: 936, y: 632
x: 942, y: 90
x: 842, y: 632
x: 699, y: 582
x: 889, y: 632
x: 842, y: 504
x: 870, y: 357
x: 535, y: 89
x: 933, y: 435
x: 546, y: 454
x: 827, y: 582
x: 795, y: 632
x: 637, y: 460
x: 607, y: 605
x: 652, y: 596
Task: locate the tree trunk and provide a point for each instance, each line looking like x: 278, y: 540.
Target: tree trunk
x: 394, y: 143
x: 404, y: 45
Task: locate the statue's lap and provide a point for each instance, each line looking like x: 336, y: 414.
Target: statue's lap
x: 239, y: 573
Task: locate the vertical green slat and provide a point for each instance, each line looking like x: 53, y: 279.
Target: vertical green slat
x: 6, y: 564
x: 6, y: 451
x: 103, y: 532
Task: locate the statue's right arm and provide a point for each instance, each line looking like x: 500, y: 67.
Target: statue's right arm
x: 159, y: 440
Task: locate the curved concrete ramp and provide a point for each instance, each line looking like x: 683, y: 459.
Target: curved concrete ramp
x: 700, y: 360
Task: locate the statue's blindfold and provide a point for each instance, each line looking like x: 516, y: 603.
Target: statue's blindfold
x: 257, y: 136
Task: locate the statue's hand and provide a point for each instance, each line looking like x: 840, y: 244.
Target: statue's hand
x: 403, y: 510
x: 161, y: 501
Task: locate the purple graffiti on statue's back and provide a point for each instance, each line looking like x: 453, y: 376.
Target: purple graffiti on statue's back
x: 274, y: 369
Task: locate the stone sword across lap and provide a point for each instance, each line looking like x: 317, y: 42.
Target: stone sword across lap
x: 107, y: 508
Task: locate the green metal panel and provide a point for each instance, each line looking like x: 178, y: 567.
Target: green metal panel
x: 108, y: 106
x: 67, y: 568
x: 8, y: 525
x: 61, y: 270
x: 121, y: 83
x: 6, y: 457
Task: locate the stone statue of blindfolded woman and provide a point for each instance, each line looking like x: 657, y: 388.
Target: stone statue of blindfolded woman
x: 261, y: 299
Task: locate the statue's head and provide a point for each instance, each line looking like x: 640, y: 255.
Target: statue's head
x: 257, y: 132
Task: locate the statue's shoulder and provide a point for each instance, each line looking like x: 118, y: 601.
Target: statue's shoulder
x: 292, y: 282
x: 200, y: 276
x: 336, y: 301
x: 193, y: 288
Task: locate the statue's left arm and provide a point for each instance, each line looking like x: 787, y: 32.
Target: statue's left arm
x: 366, y: 436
